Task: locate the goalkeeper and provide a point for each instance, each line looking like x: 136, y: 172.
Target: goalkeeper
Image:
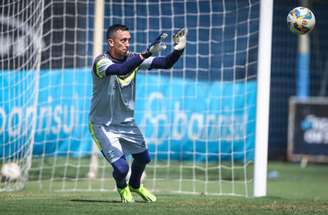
x: 112, y: 123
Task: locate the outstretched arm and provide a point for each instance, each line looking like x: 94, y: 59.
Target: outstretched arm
x: 166, y: 62
x: 125, y: 68
x: 105, y: 67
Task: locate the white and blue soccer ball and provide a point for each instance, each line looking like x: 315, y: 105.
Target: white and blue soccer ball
x: 10, y: 172
x: 300, y: 20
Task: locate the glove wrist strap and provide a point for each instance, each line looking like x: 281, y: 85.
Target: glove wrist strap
x: 146, y: 54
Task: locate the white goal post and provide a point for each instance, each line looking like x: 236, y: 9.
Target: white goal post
x: 215, y: 147
x: 263, y: 98
x: 98, y: 39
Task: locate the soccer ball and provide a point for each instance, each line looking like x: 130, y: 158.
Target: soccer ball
x: 300, y: 20
x: 10, y: 172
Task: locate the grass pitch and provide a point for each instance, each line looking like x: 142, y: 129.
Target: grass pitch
x: 291, y: 190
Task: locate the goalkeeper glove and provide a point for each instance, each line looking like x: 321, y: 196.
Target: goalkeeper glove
x: 180, y: 39
x: 156, y: 46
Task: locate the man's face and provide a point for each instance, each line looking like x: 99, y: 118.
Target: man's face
x: 119, y: 44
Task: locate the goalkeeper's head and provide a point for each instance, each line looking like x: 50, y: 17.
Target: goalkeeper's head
x: 118, y: 38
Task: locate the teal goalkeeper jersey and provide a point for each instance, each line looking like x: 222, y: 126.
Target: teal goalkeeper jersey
x: 113, y: 96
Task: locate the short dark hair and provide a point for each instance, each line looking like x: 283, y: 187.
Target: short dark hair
x: 113, y: 28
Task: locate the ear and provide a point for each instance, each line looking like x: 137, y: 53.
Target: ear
x: 110, y: 42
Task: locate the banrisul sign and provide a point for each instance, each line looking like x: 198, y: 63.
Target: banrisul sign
x: 197, y: 118
x: 308, y: 126
x: 180, y: 118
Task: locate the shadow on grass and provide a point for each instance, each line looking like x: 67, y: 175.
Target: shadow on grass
x: 95, y: 201
x: 101, y: 201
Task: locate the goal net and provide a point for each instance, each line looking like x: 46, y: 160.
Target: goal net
x: 20, y: 52
x: 198, y: 118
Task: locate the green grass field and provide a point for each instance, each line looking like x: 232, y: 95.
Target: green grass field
x: 293, y: 190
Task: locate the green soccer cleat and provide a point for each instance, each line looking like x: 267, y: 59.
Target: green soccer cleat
x: 126, y: 196
x: 144, y: 193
